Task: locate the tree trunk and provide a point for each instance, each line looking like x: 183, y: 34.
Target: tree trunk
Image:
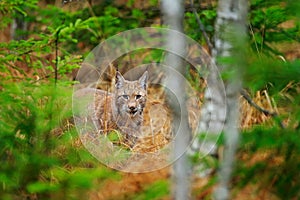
x: 230, y: 38
x: 173, y: 16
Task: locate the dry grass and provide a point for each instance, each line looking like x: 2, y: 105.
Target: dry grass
x: 157, y: 127
x: 250, y: 116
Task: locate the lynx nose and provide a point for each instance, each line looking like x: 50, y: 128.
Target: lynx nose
x: 131, y: 108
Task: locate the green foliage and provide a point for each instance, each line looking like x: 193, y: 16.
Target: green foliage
x: 277, y: 164
x: 35, y: 149
x: 272, y: 152
x: 38, y: 152
x: 275, y: 73
x: 11, y: 8
x: 265, y: 29
x: 157, y: 190
x: 266, y: 19
x: 207, y: 17
x: 114, y: 136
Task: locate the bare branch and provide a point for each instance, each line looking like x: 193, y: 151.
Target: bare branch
x: 274, y: 115
x: 201, y: 26
x: 56, y: 56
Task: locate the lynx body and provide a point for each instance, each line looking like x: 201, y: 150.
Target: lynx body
x: 122, y: 109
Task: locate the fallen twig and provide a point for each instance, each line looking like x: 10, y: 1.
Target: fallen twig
x: 247, y: 97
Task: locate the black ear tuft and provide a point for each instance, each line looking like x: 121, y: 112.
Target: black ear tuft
x: 119, y: 80
x: 143, y: 80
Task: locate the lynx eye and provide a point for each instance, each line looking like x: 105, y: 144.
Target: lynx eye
x: 138, y: 96
x: 125, y: 96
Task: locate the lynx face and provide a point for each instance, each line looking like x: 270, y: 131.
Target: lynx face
x: 130, y: 96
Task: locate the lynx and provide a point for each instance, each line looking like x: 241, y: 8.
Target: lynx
x: 122, y: 109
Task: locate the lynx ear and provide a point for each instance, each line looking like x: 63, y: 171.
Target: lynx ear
x: 119, y: 80
x: 143, y: 80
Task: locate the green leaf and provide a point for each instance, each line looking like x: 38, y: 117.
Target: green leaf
x: 154, y: 191
x: 114, y: 136
x: 40, y: 187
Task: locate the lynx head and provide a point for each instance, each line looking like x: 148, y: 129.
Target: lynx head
x: 130, y: 96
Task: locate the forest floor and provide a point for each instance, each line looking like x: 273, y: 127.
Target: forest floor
x: 132, y: 184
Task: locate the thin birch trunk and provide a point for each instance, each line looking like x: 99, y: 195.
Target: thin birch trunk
x: 230, y: 37
x: 173, y: 17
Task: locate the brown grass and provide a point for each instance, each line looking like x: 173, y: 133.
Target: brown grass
x: 250, y: 116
